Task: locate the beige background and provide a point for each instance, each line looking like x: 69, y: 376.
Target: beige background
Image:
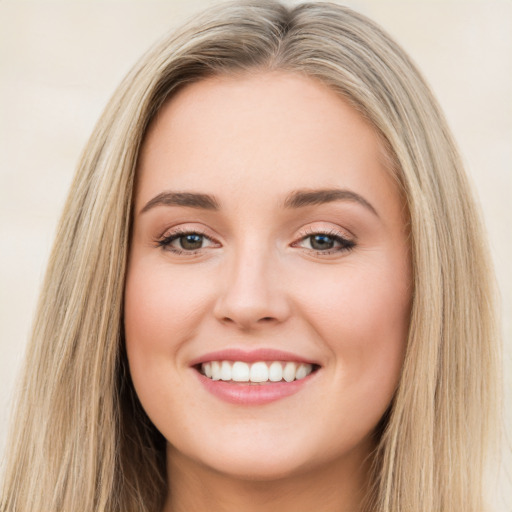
x: 60, y: 61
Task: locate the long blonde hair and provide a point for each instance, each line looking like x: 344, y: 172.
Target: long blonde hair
x: 80, y: 440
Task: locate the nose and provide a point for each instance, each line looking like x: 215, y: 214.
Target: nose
x: 252, y: 295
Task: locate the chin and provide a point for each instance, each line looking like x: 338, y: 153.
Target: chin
x: 259, y: 460
x: 261, y: 468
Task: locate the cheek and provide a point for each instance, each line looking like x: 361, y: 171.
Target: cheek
x: 160, y: 307
x: 369, y: 301
x: 160, y: 316
x: 364, y: 317
x: 157, y: 320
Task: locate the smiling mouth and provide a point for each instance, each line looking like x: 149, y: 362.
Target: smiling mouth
x: 259, y: 372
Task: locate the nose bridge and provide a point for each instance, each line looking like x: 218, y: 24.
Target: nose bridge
x: 252, y: 293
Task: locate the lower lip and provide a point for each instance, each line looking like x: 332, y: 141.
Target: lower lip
x: 241, y: 393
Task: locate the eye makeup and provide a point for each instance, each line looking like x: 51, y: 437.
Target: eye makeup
x: 189, y: 242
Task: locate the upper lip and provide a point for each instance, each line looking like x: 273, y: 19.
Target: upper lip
x: 251, y: 356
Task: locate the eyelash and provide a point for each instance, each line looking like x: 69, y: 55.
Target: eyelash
x: 345, y: 245
x: 165, y: 243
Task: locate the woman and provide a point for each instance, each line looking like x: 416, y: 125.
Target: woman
x: 269, y: 287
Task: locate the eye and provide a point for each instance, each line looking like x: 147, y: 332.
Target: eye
x: 325, y: 243
x: 185, y: 242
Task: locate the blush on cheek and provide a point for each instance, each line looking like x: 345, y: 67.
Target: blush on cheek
x: 364, y: 316
x: 155, y: 306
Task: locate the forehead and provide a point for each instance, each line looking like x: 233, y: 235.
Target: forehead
x: 259, y: 135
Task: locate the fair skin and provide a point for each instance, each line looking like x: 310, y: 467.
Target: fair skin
x: 326, y: 281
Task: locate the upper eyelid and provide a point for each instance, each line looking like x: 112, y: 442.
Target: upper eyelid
x: 347, y: 242
x: 179, y: 230
x: 174, y: 235
x: 328, y: 231
x: 170, y: 232
x: 336, y: 232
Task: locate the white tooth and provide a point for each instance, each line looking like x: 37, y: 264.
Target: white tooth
x: 303, y: 371
x: 275, y: 372
x: 240, y: 372
x: 215, y: 370
x: 259, y: 372
x: 289, y: 372
x: 225, y: 370
x: 207, y: 369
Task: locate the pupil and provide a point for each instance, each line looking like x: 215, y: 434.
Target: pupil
x: 191, y: 242
x: 320, y: 242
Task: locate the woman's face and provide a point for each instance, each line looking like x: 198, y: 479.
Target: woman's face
x: 269, y: 245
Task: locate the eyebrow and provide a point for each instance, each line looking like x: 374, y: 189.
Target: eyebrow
x: 302, y: 198
x: 296, y: 199
x: 190, y: 199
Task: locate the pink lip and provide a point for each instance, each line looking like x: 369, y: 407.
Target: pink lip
x: 250, y: 356
x: 251, y: 394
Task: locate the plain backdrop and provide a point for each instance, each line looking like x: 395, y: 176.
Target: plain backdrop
x: 61, y: 60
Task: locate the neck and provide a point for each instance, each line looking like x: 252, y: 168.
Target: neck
x: 337, y: 487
